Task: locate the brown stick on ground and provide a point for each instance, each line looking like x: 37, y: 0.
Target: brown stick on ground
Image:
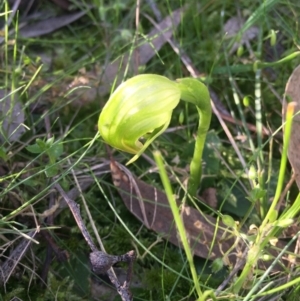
x: 7, y: 268
x: 102, y: 262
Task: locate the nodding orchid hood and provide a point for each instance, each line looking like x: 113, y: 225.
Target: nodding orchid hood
x: 141, y: 107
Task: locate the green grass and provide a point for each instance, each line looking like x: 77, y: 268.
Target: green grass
x: 59, y: 144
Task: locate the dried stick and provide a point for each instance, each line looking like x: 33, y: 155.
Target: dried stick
x: 7, y: 268
x: 102, y: 262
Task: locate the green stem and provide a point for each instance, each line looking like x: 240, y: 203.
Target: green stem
x: 195, y: 92
x: 286, y: 139
x: 178, y: 221
x: 260, y: 65
x: 262, y: 239
x: 196, y: 163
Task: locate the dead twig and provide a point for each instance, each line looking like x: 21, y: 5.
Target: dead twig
x: 7, y: 268
x: 102, y: 262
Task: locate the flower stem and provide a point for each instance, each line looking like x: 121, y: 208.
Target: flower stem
x: 195, y: 92
x: 283, y: 162
x: 178, y: 220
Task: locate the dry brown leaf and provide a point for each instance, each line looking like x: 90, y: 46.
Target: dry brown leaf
x: 208, y: 238
x: 233, y: 26
x: 49, y: 25
x: 209, y: 196
x: 292, y: 92
x: 151, y: 207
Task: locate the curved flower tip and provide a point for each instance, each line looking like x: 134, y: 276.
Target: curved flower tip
x: 139, y: 108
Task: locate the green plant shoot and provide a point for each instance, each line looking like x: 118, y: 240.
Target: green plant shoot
x: 141, y: 109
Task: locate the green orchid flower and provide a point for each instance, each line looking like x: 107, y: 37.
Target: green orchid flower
x: 140, y: 106
x: 141, y: 109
